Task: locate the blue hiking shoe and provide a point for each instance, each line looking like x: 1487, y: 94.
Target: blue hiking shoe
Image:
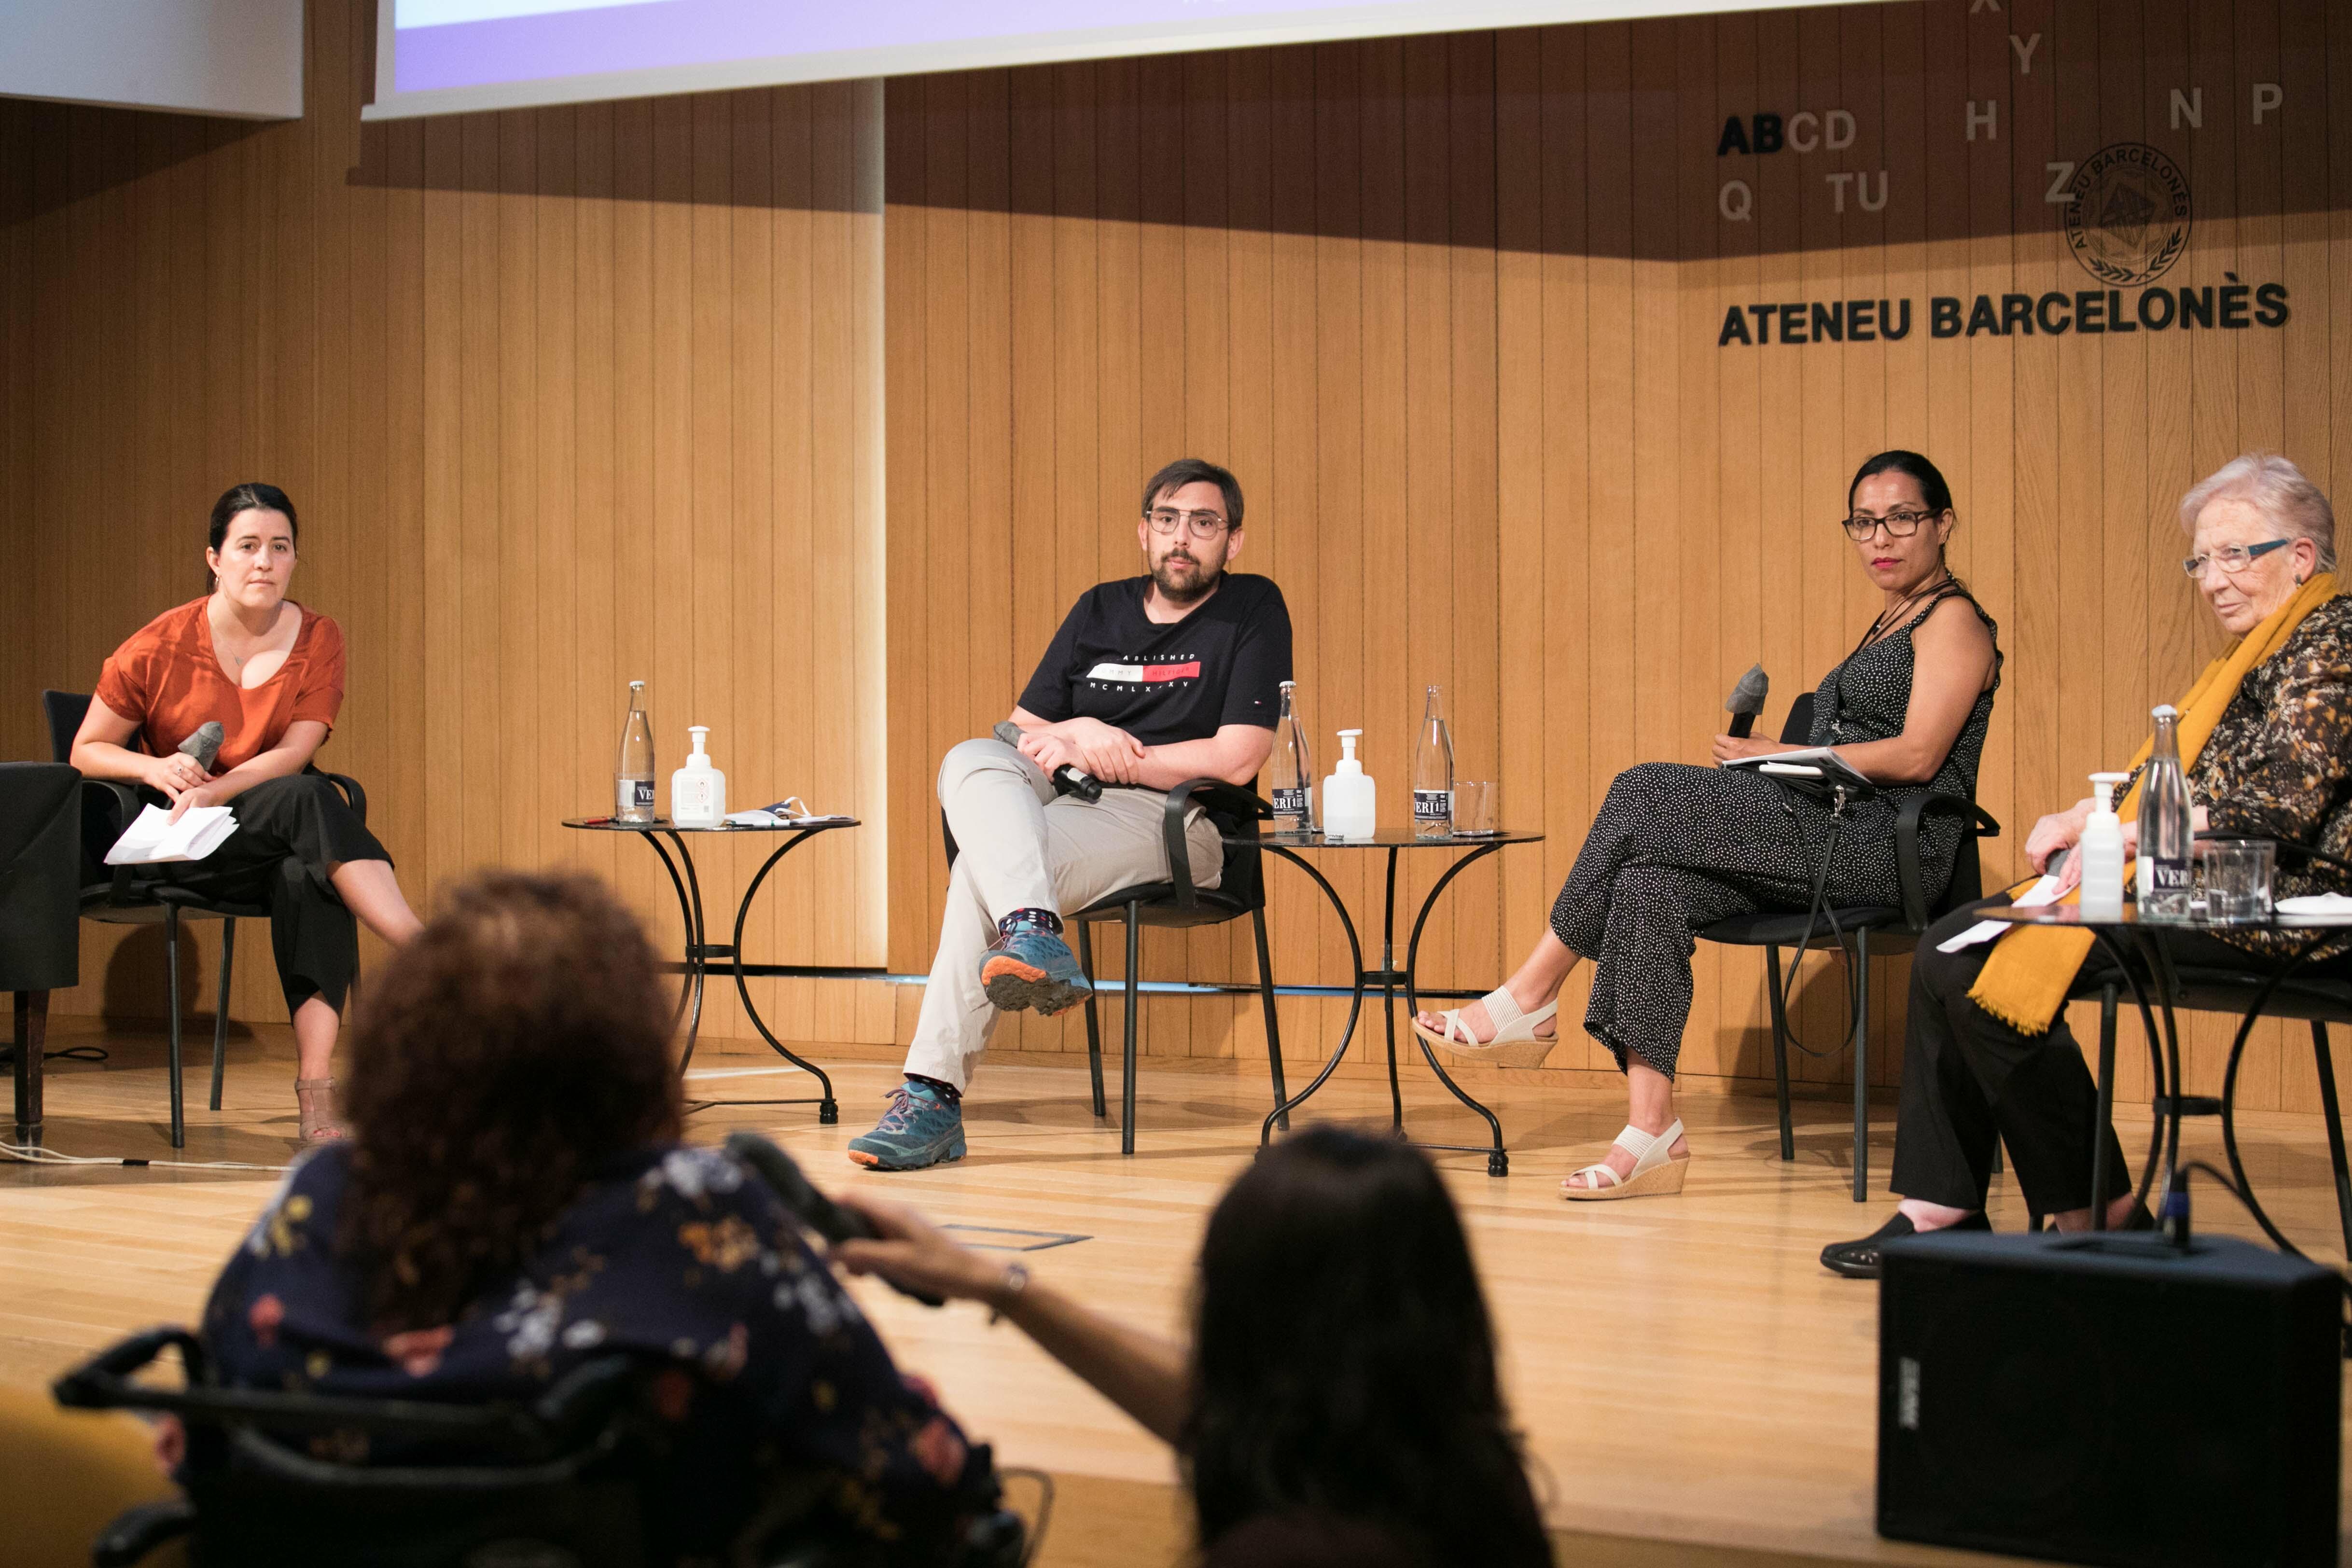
x: 1032, y: 969
x: 923, y: 1127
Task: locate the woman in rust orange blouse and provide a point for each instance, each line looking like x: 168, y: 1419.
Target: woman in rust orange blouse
x: 270, y: 673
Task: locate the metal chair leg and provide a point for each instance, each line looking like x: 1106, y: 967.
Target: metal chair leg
x: 2104, y: 1114
x: 1780, y: 1050
x: 1134, y: 1001
x: 1094, y: 1021
x: 2335, y: 1130
x: 1862, y: 1066
x: 1273, y: 1029
x: 172, y: 979
x: 220, y: 1012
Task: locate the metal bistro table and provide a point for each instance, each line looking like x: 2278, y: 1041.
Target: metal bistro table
x: 2128, y: 937
x: 702, y: 955
x: 1388, y: 976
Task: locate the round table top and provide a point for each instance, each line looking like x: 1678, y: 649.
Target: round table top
x: 664, y: 825
x: 1387, y: 841
x: 2071, y: 914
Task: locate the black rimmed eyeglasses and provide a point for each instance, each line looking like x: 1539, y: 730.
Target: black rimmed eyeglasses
x: 2231, y: 558
x: 1898, y: 525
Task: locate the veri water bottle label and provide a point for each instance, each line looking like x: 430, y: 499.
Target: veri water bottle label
x: 1290, y: 802
x: 2168, y: 876
x: 1432, y: 805
x: 634, y: 794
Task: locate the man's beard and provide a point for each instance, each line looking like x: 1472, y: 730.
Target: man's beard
x: 1171, y: 591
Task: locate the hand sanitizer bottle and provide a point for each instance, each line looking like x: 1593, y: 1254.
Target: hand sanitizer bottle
x: 2102, y: 849
x: 1348, y: 796
x: 697, y: 791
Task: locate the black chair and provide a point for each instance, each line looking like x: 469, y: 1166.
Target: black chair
x: 1177, y: 904
x: 128, y: 895
x: 1885, y: 929
x: 571, y: 1481
x: 40, y: 943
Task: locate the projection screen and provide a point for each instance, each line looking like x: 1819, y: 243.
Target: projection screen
x: 440, y: 57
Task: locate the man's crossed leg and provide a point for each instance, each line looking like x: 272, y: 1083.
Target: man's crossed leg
x: 1025, y: 856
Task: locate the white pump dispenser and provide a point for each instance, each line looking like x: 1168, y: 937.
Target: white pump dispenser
x: 697, y: 791
x: 1348, y: 795
x: 2102, y: 849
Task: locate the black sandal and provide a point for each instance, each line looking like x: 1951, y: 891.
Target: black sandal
x: 1859, y: 1259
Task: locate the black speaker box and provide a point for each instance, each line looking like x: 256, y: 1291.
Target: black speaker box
x: 2110, y: 1399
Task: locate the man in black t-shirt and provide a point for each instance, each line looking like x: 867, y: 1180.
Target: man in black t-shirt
x: 1151, y: 681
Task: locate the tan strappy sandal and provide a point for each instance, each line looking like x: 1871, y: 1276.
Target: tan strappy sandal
x: 314, y: 1101
x: 1652, y: 1172
x: 1515, y: 1042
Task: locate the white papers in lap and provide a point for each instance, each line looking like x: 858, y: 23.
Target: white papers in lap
x: 155, y: 839
x: 2041, y: 892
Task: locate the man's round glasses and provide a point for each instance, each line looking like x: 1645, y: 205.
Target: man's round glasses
x: 1898, y: 525
x: 2231, y: 558
x: 1196, y: 524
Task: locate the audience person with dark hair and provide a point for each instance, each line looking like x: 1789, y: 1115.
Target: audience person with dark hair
x: 514, y: 1200
x: 1674, y: 849
x: 1151, y: 681
x: 2265, y: 737
x: 270, y: 674
x: 1338, y: 1406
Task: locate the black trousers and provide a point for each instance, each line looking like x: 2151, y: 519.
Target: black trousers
x: 289, y: 831
x: 1970, y: 1079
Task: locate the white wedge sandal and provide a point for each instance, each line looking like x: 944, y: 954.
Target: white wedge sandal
x: 1652, y: 1171
x: 1515, y: 1042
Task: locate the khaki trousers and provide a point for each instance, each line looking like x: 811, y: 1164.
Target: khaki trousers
x: 1021, y: 846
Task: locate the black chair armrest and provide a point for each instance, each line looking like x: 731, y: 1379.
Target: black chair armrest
x: 103, y: 1382
x: 136, y: 1531
x: 352, y: 794
x: 1215, y: 795
x: 109, y: 806
x: 1907, y: 868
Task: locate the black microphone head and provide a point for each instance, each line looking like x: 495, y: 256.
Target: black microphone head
x: 205, y: 744
x: 1747, y: 696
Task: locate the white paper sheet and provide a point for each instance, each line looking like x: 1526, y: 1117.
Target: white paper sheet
x: 155, y: 839
x: 2041, y: 892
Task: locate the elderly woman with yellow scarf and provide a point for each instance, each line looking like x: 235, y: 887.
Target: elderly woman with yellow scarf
x: 2266, y: 739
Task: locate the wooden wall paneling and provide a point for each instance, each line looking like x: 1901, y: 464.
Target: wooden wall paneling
x: 1524, y: 625
x: 17, y: 418
x: 906, y: 151
x: 1615, y: 690
x: 760, y: 738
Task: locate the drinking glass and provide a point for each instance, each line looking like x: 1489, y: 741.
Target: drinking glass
x: 1478, y: 808
x: 2237, y: 878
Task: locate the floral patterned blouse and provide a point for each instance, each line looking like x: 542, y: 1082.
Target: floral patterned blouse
x: 679, y: 1255
x: 2279, y: 762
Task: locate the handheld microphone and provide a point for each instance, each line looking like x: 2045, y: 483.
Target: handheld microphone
x: 810, y: 1207
x: 205, y: 744
x: 1746, y: 700
x: 1067, y: 780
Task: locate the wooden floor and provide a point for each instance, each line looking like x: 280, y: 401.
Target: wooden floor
x: 1694, y: 1387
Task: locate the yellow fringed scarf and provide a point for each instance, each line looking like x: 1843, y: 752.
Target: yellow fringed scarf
x: 2025, y: 981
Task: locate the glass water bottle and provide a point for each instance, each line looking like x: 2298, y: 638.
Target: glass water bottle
x: 2167, y: 832
x: 1293, y: 782
x: 1433, y: 773
x: 633, y: 781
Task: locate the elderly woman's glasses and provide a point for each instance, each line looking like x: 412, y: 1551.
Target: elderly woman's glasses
x: 1196, y: 524
x: 1898, y: 525
x: 2231, y: 558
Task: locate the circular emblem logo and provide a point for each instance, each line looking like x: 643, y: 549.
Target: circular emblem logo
x: 2127, y: 214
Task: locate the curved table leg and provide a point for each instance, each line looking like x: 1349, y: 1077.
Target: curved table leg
x: 1355, y: 1001
x: 690, y: 910
x: 1498, y: 1159
x: 2156, y: 1066
x: 828, y: 1110
x: 2230, y: 1089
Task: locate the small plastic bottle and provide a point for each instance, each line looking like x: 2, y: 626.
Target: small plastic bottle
x: 697, y: 791
x: 2102, y: 849
x: 1348, y: 802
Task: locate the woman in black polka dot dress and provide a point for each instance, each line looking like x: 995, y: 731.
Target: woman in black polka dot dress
x: 1674, y: 848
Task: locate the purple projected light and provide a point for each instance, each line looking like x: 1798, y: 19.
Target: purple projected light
x: 627, y: 38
